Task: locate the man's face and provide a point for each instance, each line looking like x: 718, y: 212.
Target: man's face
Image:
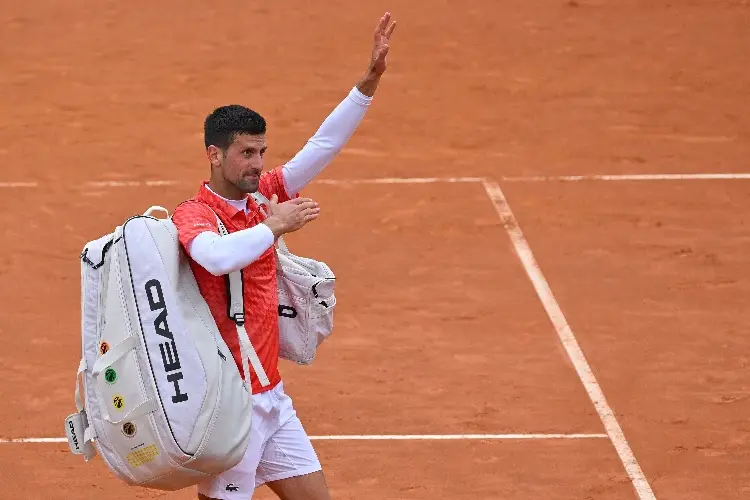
x: 242, y: 163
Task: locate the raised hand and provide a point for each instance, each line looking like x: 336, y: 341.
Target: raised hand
x: 381, y: 44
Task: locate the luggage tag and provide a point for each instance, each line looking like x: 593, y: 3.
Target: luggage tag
x: 75, y: 431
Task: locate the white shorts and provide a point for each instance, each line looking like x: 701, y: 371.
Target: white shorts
x: 279, y: 449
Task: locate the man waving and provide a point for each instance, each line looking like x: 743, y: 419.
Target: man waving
x: 280, y: 453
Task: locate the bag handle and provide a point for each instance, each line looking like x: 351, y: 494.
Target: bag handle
x: 156, y: 208
x: 261, y: 199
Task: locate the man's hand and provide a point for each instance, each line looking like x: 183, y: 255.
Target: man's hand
x: 378, y: 64
x: 291, y: 215
x: 381, y: 44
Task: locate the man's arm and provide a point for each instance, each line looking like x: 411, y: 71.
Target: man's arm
x: 221, y: 255
x: 198, y: 232
x: 343, y: 121
x: 327, y: 142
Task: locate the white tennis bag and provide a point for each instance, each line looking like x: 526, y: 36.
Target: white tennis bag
x: 159, y: 397
x: 306, y: 300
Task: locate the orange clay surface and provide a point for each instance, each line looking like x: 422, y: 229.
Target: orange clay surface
x: 438, y: 328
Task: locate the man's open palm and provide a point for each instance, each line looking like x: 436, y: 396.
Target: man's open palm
x: 381, y: 44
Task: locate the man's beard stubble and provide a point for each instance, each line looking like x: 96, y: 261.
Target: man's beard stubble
x: 247, y: 185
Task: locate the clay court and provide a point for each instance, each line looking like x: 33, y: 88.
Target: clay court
x: 540, y: 232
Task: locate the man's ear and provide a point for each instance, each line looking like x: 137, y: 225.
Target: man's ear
x: 214, y: 155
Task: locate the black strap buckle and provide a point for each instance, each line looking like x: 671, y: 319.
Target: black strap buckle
x: 239, y: 318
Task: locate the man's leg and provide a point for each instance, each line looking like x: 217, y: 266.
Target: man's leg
x: 289, y: 464
x: 309, y: 487
x: 238, y: 483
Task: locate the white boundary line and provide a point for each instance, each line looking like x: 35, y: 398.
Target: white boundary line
x: 101, y: 184
x: 384, y: 437
x: 400, y: 180
x: 628, y: 177
x: 459, y: 180
x: 429, y: 180
x: 18, y: 184
x: 569, y: 342
x: 332, y: 182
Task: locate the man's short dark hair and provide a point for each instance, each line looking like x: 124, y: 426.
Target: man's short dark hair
x: 224, y: 123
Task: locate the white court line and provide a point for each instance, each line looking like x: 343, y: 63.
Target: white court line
x: 430, y: 180
x: 384, y: 437
x: 628, y: 177
x: 568, y: 339
x: 115, y: 184
x: 408, y: 437
x: 133, y: 183
x: 333, y: 182
x: 460, y: 180
x: 400, y: 180
x: 559, y: 178
x: 18, y: 184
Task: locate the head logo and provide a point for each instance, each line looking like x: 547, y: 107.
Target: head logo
x: 103, y: 348
x: 118, y: 402
x: 129, y: 429
x: 167, y: 348
x: 287, y: 312
x: 110, y: 375
x: 73, y: 434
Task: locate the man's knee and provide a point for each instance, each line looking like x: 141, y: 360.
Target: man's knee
x: 306, y: 487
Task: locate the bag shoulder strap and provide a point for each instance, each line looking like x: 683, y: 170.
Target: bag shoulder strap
x: 237, y: 314
x: 260, y: 198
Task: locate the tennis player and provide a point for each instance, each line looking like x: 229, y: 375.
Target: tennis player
x: 280, y: 453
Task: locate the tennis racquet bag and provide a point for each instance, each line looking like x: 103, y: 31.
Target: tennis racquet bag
x: 158, y: 394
